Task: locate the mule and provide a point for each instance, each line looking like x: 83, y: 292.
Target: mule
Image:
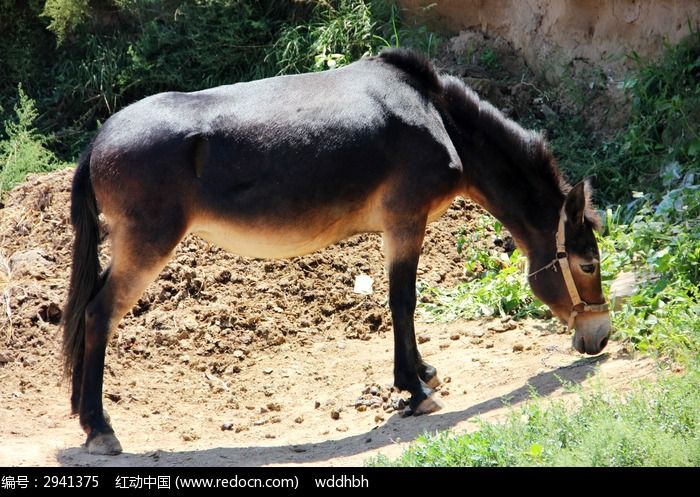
x: 284, y: 166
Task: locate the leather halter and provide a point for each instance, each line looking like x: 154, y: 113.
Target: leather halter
x: 562, y: 257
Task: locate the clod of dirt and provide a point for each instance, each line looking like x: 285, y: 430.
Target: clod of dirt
x: 503, y: 326
x: 518, y: 347
x: 422, y: 338
x: 33, y: 262
x: 189, y: 436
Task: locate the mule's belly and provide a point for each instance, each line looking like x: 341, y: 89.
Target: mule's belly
x: 275, y: 242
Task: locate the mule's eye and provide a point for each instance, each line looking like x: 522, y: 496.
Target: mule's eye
x: 588, y: 268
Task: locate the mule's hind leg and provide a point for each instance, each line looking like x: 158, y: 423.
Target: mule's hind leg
x: 402, y: 244
x: 135, y: 263
x: 77, y: 374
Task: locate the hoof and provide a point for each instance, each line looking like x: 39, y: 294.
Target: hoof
x: 434, y: 382
x: 105, y: 444
x: 431, y: 404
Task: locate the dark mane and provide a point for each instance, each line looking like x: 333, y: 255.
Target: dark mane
x: 416, y: 65
x: 525, y: 148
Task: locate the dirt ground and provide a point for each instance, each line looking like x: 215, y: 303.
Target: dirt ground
x: 233, y: 361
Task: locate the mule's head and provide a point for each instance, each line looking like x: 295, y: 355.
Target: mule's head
x: 565, y: 275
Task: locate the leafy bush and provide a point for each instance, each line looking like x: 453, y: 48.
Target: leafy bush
x: 24, y: 150
x: 661, y: 244
x: 65, y: 16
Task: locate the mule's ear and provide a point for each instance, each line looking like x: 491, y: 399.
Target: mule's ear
x: 575, y: 206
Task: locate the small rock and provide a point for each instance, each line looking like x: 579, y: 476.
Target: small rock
x: 335, y: 414
x: 299, y: 419
x: 374, y: 390
x: 114, y: 397
x: 274, y: 406
x: 422, y: 338
x: 378, y: 418
x: 190, y: 436
x: 238, y: 353
x: 270, y: 435
x: 267, y: 371
x: 240, y: 429
x: 342, y: 428
x: 518, y: 347
x: 6, y: 357
x: 317, y: 404
x: 455, y: 336
x: 488, y: 345
x: 227, y: 427
x: 361, y: 408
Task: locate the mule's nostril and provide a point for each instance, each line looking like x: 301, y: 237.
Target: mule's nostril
x: 603, y: 343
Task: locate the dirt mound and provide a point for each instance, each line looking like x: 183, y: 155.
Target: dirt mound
x: 208, y: 308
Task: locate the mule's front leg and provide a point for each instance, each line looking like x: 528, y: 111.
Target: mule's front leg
x: 402, y: 247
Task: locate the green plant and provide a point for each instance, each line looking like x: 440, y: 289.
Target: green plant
x: 489, y: 59
x: 65, y: 16
x: 660, y: 242
x: 337, y: 33
x: 24, y: 150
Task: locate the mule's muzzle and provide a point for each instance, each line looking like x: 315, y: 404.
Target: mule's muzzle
x: 591, y: 343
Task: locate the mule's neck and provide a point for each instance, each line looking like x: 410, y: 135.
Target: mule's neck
x: 517, y: 193
x: 531, y: 222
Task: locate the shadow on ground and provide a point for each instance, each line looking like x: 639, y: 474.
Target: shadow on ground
x: 395, y: 428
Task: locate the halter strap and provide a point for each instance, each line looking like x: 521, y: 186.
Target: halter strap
x: 562, y: 257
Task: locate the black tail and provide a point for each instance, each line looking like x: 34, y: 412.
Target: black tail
x: 85, y: 272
